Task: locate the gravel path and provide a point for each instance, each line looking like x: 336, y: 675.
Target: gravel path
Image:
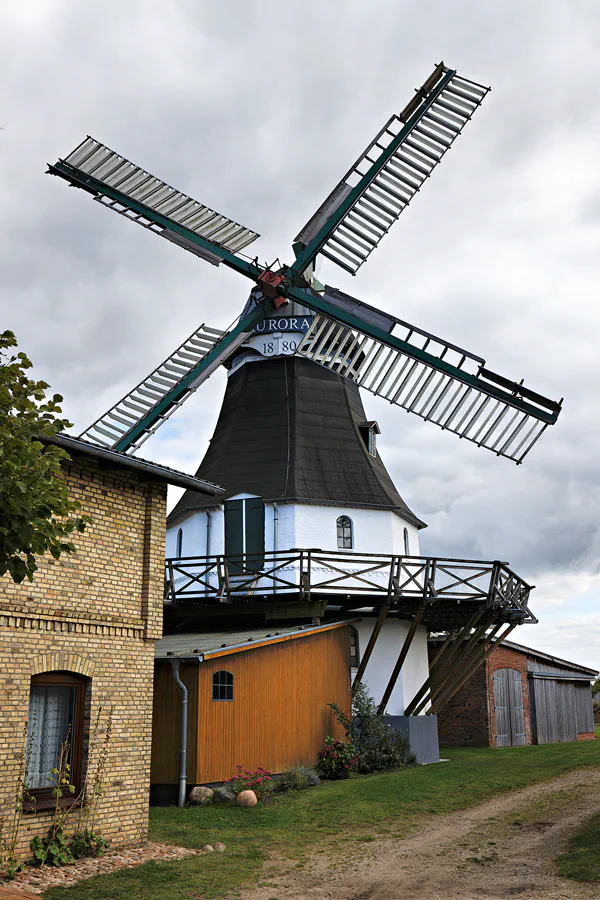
x: 503, y: 848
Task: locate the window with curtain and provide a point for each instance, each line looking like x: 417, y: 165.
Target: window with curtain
x: 56, y: 704
x: 179, y: 544
x: 406, y: 544
x: 222, y: 685
x: 345, y: 540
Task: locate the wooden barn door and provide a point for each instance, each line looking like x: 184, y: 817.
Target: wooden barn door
x: 508, y: 708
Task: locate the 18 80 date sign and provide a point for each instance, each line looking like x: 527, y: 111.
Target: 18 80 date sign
x: 280, y: 336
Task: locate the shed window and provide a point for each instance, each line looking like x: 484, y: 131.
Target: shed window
x: 55, y: 719
x: 179, y: 545
x: 345, y: 538
x: 222, y: 686
x: 354, y: 654
x: 406, y: 543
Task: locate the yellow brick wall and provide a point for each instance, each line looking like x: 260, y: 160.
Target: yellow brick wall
x: 96, y: 613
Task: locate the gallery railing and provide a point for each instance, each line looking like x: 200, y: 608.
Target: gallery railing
x: 347, y: 578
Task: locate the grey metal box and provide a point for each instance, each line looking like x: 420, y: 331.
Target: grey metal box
x: 422, y: 732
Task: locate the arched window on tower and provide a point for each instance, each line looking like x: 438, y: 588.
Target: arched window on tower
x: 179, y: 544
x: 406, y: 544
x: 345, y: 537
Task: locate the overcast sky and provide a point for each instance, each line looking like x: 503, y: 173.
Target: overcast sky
x: 257, y: 109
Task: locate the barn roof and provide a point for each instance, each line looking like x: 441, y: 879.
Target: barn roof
x: 223, y: 643
x: 552, y: 660
x: 290, y: 431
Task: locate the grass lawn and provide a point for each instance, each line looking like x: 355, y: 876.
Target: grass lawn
x: 582, y: 860
x: 336, y: 818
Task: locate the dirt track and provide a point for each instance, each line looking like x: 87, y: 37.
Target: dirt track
x: 500, y: 849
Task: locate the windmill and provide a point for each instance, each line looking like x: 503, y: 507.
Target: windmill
x: 405, y: 365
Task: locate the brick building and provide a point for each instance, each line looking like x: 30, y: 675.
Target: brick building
x: 81, y: 638
x: 520, y: 696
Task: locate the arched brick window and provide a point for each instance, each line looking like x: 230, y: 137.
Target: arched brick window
x: 55, y: 719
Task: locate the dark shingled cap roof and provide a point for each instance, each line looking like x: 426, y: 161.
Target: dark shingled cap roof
x: 289, y: 430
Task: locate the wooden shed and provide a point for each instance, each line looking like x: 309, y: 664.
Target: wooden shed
x: 257, y: 697
x: 520, y: 696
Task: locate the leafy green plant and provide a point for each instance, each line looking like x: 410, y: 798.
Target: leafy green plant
x: 93, y: 785
x: 88, y: 843
x: 36, y: 513
x: 261, y: 782
x: 337, y: 759
x: 10, y: 865
x: 297, y: 778
x: 53, y: 849
x: 378, y: 746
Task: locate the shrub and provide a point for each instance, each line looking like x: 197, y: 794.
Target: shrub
x: 297, y: 779
x: 261, y: 782
x: 337, y: 759
x: 377, y: 745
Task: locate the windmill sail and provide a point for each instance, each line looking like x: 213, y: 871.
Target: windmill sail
x: 133, y: 192
x: 382, y: 182
x: 425, y: 375
x: 143, y: 410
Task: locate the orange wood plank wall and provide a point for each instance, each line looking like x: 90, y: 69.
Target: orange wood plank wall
x: 279, y: 715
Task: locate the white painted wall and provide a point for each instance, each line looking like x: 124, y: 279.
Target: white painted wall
x: 387, y: 649
x: 301, y: 525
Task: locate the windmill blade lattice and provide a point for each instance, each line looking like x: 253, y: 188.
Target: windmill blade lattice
x: 111, y: 428
x: 418, y: 372
x: 380, y: 185
x: 435, y: 380
x: 133, y: 192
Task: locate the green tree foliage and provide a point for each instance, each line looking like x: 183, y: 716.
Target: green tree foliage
x: 36, y: 513
x: 596, y: 687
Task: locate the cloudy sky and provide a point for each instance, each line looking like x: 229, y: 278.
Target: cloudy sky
x: 257, y: 109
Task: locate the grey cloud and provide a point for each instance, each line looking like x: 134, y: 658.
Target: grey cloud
x: 257, y: 110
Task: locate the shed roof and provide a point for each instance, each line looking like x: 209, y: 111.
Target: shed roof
x: 224, y: 643
x: 164, y: 473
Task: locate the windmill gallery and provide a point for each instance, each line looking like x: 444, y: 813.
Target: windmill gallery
x: 293, y: 561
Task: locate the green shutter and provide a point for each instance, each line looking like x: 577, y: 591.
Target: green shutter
x: 255, y: 532
x: 234, y: 530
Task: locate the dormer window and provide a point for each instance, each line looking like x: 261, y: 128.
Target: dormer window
x: 369, y: 432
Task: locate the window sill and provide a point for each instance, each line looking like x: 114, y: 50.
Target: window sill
x: 49, y: 804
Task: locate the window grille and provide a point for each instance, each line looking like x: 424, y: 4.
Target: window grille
x: 354, y: 655
x: 345, y: 538
x: 372, y: 442
x: 222, y: 685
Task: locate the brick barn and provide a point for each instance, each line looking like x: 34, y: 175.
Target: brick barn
x: 520, y: 696
x: 81, y: 637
